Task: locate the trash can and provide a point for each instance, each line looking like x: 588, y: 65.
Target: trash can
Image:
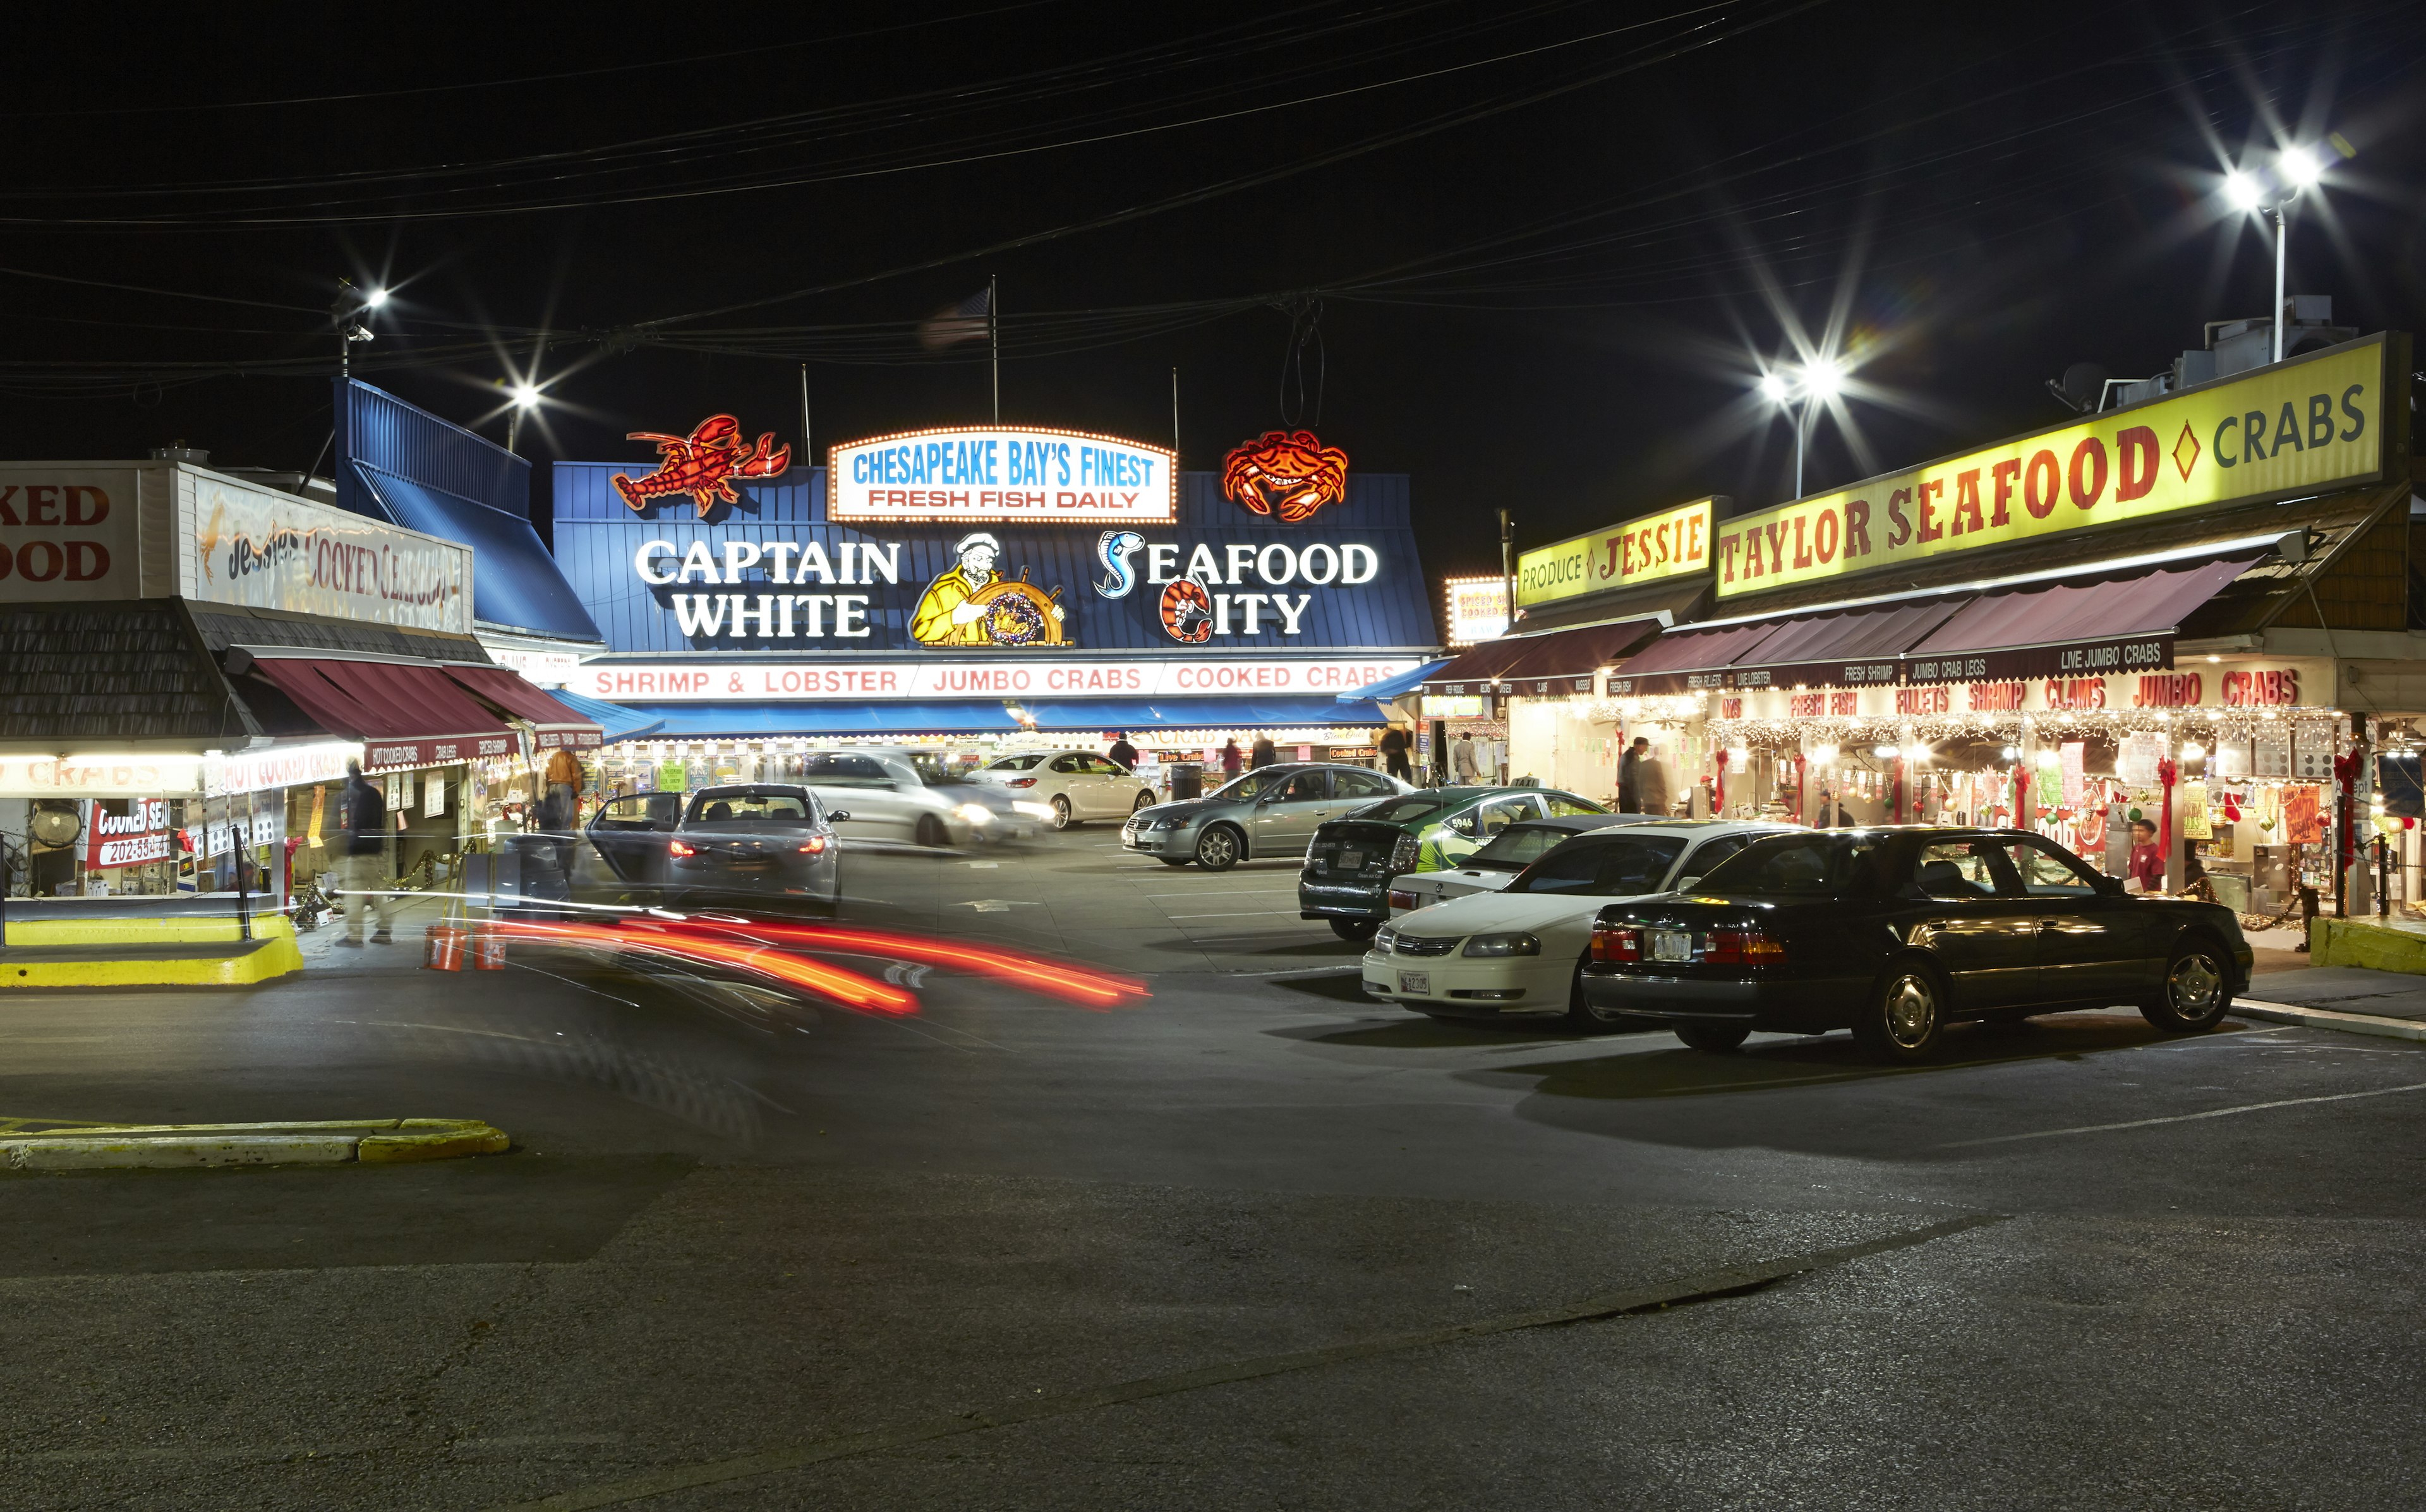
x: 1186, y: 780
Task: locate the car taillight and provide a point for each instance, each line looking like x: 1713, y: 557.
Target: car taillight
x: 1023, y: 781
x: 675, y: 848
x: 1403, y: 854
x: 814, y: 845
x: 1405, y: 900
x: 1742, y: 947
x: 1621, y: 942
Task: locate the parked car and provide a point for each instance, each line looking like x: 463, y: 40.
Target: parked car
x: 770, y: 840
x: 1497, y: 863
x: 1351, y: 859
x: 1068, y: 787
x: 887, y: 798
x: 1895, y: 932
x: 1520, y: 949
x: 1272, y: 811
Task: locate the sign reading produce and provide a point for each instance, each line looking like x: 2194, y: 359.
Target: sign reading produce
x: 1668, y: 544
x: 2307, y: 424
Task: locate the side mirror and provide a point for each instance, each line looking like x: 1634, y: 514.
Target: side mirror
x: 838, y: 815
x: 2113, y: 887
x: 1685, y: 884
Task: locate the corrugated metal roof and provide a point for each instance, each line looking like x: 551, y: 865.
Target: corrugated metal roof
x: 376, y: 428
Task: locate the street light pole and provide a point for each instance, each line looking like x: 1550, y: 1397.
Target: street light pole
x: 2282, y: 242
x: 1802, y: 430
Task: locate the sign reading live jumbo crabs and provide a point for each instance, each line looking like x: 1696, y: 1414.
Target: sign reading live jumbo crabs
x: 2307, y: 424
x: 1001, y: 474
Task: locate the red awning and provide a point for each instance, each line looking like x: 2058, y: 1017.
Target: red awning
x: 406, y: 714
x: 1694, y: 651
x: 1850, y: 648
x: 2114, y: 625
x: 507, y: 689
x: 1475, y: 668
x: 1567, y: 655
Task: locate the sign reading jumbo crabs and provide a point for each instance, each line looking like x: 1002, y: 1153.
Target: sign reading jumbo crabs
x: 1001, y: 473
x: 2304, y: 425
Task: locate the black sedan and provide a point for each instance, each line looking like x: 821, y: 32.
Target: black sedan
x: 771, y: 839
x: 1896, y: 932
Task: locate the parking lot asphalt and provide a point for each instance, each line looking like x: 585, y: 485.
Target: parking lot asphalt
x: 1252, y: 1242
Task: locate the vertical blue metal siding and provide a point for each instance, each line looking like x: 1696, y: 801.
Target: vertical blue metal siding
x: 404, y: 442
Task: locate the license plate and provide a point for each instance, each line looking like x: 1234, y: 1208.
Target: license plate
x: 1672, y: 944
x: 1415, y: 982
x: 1349, y: 861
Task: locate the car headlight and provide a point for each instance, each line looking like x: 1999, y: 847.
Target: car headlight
x: 1167, y: 822
x: 975, y: 814
x: 1384, y: 938
x: 1518, y: 944
x: 1034, y: 811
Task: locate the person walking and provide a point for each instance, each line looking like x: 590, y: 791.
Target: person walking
x: 1651, y: 785
x: 1394, y: 754
x: 1463, y: 764
x: 363, y: 812
x: 1263, y: 754
x: 1629, y: 776
x: 1123, y: 754
x: 1232, y: 759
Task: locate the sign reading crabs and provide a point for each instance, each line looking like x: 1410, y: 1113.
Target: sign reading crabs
x: 1288, y: 471
x: 703, y: 465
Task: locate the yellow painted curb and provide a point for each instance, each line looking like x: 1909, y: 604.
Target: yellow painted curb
x: 371, y: 1141
x: 2364, y: 943
x: 275, y: 956
x: 210, y: 929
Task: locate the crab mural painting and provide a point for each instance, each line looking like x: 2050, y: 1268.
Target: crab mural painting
x: 1290, y: 472
x: 703, y: 465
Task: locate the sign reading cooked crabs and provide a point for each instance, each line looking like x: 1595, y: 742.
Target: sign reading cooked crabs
x: 1004, y: 473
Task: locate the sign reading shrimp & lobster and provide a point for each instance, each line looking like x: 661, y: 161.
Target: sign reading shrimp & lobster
x: 1001, y: 474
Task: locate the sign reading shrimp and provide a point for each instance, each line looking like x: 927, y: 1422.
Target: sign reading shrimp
x: 1016, y: 475
x: 2300, y: 427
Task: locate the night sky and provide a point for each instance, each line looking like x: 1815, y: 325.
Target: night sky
x: 1541, y: 248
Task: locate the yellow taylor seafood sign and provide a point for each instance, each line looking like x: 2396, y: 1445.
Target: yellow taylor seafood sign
x: 2306, y: 426
x: 1668, y: 544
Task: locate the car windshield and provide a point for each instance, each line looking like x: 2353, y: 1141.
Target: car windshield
x: 1406, y: 809
x: 1613, y: 868
x: 936, y: 772
x: 1517, y: 847
x: 1795, y: 866
x: 717, y: 806
x: 1253, y: 784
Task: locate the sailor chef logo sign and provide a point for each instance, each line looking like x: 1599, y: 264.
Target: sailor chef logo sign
x: 969, y: 603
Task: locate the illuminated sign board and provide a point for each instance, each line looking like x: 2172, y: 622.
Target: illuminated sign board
x: 67, y: 532
x: 1672, y: 544
x: 1477, y: 609
x: 267, y: 549
x: 832, y: 682
x: 1002, y: 474
x: 2308, y: 425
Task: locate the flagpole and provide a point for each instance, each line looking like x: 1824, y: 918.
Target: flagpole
x: 1174, y: 413
x: 994, y: 335
x: 808, y: 453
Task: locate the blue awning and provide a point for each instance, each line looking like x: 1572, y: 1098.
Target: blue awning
x: 694, y: 720
x: 619, y: 722
x: 1391, y: 688
x: 1201, y: 714
x: 515, y: 583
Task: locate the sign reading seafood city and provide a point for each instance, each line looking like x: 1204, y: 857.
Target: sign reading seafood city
x: 1668, y: 544
x: 776, y: 572
x: 2310, y: 424
x: 1001, y: 473
x: 829, y: 682
x: 267, y: 549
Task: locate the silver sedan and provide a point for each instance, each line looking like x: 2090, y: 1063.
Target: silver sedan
x: 1268, y: 813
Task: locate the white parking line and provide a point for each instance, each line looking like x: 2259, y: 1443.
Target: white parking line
x: 2185, y: 1117
x: 1241, y: 913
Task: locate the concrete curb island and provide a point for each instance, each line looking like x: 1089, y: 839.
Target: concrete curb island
x: 172, y: 1146
x: 2354, y: 1023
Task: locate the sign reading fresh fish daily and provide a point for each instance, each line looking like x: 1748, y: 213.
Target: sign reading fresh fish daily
x: 2303, y: 426
x: 775, y: 572
x: 1001, y: 474
x: 1670, y: 543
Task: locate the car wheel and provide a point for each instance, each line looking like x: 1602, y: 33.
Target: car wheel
x: 1356, y: 931
x: 1144, y: 800
x: 1713, y: 1038
x: 1060, y: 813
x: 1905, y: 1016
x: 1582, y: 1015
x: 1217, y: 849
x: 931, y: 831
x: 2196, y: 992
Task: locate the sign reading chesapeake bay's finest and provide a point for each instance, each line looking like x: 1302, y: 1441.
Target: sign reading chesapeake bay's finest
x: 1001, y: 473
x: 273, y: 551
x: 857, y: 681
x: 2310, y: 424
x: 1668, y: 544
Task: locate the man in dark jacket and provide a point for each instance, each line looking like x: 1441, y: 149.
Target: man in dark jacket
x: 363, y: 811
x: 1394, y: 754
x: 1123, y: 754
x: 1629, y: 776
x: 1262, y: 755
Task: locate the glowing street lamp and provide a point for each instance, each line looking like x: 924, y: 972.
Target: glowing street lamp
x: 523, y: 397
x: 1814, y: 382
x: 2262, y: 193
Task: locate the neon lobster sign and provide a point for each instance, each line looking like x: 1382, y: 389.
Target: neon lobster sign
x: 703, y: 465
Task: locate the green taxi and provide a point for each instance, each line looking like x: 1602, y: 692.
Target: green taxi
x: 1349, y: 867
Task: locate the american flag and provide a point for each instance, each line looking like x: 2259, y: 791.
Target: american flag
x: 965, y: 321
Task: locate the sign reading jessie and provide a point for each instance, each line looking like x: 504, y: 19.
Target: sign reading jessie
x: 2303, y: 426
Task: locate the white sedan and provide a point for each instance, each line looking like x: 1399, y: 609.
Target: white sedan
x: 1068, y: 786
x: 1517, y: 951
x: 1496, y: 865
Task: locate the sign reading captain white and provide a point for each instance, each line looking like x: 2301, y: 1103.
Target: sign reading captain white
x: 1002, y: 473
x: 1027, y: 678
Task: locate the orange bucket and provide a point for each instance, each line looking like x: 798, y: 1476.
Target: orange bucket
x: 488, y: 949
x: 442, y: 950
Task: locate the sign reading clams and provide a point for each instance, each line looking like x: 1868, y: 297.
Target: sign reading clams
x: 2304, y: 426
x: 1001, y: 473
x: 1668, y: 544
